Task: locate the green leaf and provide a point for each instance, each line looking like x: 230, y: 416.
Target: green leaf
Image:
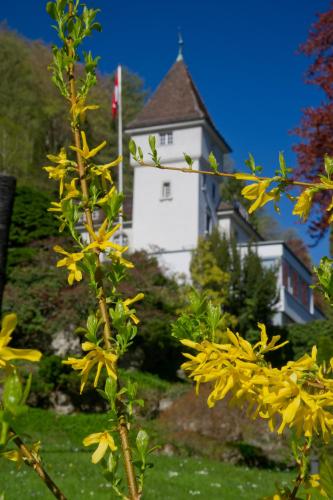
x: 328, y: 164
x: 213, y: 317
x: 96, y: 26
x: 251, y: 163
x: 61, y: 4
x: 324, y: 274
x: 212, y: 161
x: 326, y: 475
x: 152, y: 143
x: 188, y: 160
x: 142, y: 440
x: 112, y: 463
x: 282, y: 163
x: 110, y: 388
x: 27, y: 388
x: 12, y: 393
x: 140, y: 153
x: 103, y: 394
x: 132, y: 148
x: 51, y: 10
x: 92, y: 327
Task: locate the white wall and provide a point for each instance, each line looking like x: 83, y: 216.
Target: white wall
x: 176, y: 263
x: 186, y: 139
x: 168, y: 224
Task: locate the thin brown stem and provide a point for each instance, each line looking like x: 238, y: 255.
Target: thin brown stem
x: 127, y: 454
x: 107, y: 333
x: 298, y: 482
x: 31, y: 460
x: 221, y: 174
x: 85, y: 195
x: 300, y: 476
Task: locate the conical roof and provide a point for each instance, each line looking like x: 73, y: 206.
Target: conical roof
x: 175, y: 100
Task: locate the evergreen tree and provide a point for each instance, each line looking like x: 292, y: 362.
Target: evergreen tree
x: 207, y: 274
x: 244, y: 287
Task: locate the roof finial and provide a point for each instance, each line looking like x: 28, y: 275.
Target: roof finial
x: 180, y: 46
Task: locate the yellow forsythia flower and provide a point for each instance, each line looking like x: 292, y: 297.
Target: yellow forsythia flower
x: 96, y: 356
x: 257, y: 193
x: 102, y: 238
x: 128, y: 302
x: 103, y: 170
x: 303, y: 204
x: 7, y: 353
x: 70, y: 262
x: 104, y: 441
x: 107, y: 197
x: 71, y: 190
x: 328, y: 209
x: 85, y: 152
x: 80, y: 108
x: 314, y: 482
x: 18, y: 457
x: 59, y: 172
x: 298, y: 395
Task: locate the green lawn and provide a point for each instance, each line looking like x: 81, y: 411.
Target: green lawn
x: 171, y: 478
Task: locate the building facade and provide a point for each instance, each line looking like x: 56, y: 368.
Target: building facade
x: 171, y: 210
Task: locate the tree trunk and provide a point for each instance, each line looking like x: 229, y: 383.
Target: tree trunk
x: 7, y: 191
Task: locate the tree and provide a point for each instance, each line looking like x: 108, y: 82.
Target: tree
x: 246, y: 289
x: 32, y: 111
x: 207, y: 274
x: 316, y: 127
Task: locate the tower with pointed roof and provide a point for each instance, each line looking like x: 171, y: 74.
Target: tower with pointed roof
x: 171, y: 210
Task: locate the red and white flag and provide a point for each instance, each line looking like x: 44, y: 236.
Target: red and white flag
x: 115, y: 95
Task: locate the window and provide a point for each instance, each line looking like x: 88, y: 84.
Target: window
x: 166, y: 190
x: 208, y: 223
x: 166, y: 138
x: 121, y: 240
x: 305, y: 294
x: 213, y: 191
x: 285, y: 274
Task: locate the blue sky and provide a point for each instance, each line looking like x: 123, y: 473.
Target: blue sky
x: 242, y: 56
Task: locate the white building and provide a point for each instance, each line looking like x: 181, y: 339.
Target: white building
x: 171, y: 210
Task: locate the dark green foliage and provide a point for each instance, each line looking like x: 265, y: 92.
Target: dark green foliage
x: 7, y: 192
x: 156, y: 351
x: 37, y: 291
x: 31, y: 220
x: 319, y: 333
x: 45, y: 305
x: 256, y: 291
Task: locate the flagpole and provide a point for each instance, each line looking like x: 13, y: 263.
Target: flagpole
x: 120, y: 149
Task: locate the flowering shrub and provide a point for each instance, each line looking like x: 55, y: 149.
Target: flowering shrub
x: 299, y: 395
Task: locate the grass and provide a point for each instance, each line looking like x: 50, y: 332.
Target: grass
x: 68, y: 462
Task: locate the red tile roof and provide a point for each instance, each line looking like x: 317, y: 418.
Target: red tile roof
x: 175, y: 100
